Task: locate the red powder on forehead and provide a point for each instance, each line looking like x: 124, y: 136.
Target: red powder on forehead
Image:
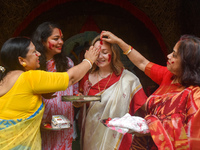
x: 109, y: 57
x: 60, y: 32
x: 172, y: 62
x: 101, y: 42
x: 99, y: 48
x: 50, y: 45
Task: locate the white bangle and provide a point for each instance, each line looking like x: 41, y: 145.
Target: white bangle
x: 88, y: 62
x: 128, y: 52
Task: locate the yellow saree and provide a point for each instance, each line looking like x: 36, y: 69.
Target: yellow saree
x: 21, y: 134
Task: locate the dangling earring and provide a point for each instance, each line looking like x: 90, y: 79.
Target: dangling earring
x: 24, y: 64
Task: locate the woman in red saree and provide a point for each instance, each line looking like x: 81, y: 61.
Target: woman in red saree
x: 173, y: 109
x: 121, y: 92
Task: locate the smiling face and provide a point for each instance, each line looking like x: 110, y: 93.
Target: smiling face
x: 105, y: 55
x: 32, y: 58
x: 174, y: 61
x: 54, y: 43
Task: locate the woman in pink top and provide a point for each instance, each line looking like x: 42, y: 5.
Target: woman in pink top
x: 48, y: 40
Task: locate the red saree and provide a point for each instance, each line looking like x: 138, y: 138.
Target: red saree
x: 172, y: 113
x: 122, y: 94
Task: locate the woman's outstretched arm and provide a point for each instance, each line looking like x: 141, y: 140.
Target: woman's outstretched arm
x: 77, y: 72
x: 135, y: 57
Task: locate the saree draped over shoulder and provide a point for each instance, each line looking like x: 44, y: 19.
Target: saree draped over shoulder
x: 124, y: 94
x: 172, y: 113
x: 21, y: 109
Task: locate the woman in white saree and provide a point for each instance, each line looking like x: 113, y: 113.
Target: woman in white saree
x: 121, y: 92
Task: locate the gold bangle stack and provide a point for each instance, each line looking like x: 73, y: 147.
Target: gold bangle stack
x: 128, y: 51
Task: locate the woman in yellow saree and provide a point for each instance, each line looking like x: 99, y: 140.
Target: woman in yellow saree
x: 21, y: 87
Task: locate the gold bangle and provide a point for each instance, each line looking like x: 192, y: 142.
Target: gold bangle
x: 128, y: 51
x: 90, y: 61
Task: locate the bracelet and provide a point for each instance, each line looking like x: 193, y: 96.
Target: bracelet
x: 88, y: 62
x: 128, y: 51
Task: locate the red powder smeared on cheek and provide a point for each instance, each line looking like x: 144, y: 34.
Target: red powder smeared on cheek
x: 50, y: 45
x: 36, y: 55
x: 109, y: 57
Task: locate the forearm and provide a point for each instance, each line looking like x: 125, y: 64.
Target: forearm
x: 77, y: 72
x: 135, y: 57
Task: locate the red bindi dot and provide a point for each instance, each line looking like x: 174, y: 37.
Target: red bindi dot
x: 172, y: 62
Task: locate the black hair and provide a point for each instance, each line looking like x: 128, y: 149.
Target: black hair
x: 10, y: 51
x: 189, y: 51
x: 41, y: 35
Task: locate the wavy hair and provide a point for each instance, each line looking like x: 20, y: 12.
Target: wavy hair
x: 189, y: 51
x: 116, y: 64
x: 41, y: 35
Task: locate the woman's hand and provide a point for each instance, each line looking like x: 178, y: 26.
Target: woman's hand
x: 109, y: 37
x: 92, y: 54
x: 78, y: 104
x: 135, y: 57
x: 77, y: 72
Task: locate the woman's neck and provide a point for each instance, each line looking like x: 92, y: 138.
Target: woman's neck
x: 104, y: 72
x: 175, y: 80
x: 48, y: 56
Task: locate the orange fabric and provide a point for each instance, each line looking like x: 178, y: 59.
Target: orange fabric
x: 173, y: 113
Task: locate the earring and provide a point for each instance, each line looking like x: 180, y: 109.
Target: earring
x: 24, y: 64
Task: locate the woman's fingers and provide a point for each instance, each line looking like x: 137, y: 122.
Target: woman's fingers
x: 92, y: 53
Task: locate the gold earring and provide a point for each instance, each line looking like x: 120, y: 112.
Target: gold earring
x: 24, y: 64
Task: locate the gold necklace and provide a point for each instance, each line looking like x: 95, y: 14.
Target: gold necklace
x: 100, y: 92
